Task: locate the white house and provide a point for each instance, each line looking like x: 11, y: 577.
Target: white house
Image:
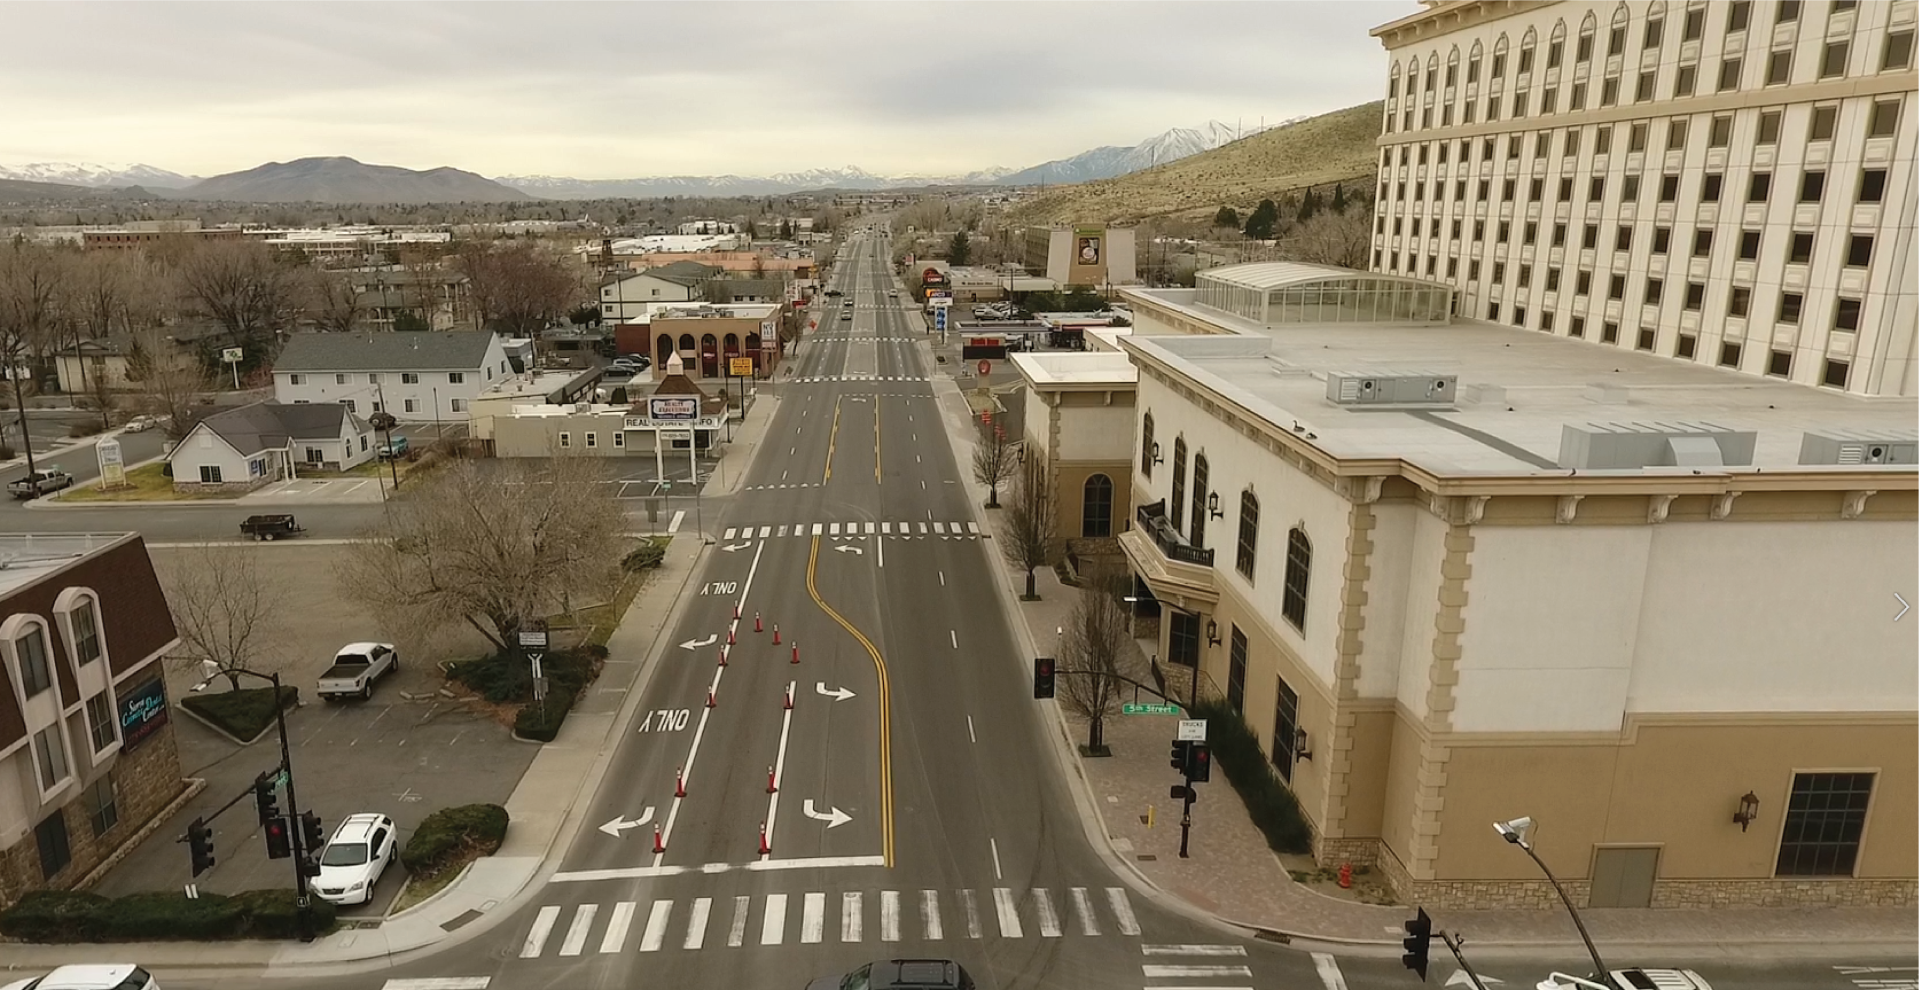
x: 242, y: 449
x: 629, y: 297
x: 418, y: 377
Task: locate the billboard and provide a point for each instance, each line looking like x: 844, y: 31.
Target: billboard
x: 1087, y: 262
x: 673, y: 408
x: 1086, y: 248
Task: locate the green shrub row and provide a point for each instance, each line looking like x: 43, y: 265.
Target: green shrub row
x: 78, y: 916
x: 648, y: 554
x: 507, y: 677
x: 242, y: 714
x: 1236, y: 751
x: 540, y: 721
x: 450, y: 833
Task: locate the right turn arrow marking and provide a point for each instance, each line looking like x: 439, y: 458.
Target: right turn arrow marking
x: 1904, y: 607
x: 834, y: 816
x: 837, y: 694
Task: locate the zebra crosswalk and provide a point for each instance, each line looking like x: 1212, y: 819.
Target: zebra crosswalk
x: 1216, y: 964
x: 816, y: 379
x: 813, y: 917
x: 900, y: 530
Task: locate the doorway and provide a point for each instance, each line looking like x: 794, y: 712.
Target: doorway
x: 1623, y: 876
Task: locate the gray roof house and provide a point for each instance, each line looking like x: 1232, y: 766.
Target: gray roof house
x: 418, y: 377
x: 241, y: 449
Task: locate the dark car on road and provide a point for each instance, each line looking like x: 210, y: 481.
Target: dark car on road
x: 901, y: 974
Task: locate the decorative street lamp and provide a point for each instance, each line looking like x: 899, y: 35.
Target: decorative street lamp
x: 1515, y: 832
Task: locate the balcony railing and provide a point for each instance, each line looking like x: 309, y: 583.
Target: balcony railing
x: 1153, y: 521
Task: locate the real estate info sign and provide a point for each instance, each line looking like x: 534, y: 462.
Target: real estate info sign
x: 673, y: 408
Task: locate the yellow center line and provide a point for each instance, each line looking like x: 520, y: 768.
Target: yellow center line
x: 886, y: 704
x: 876, y: 439
x: 832, y: 437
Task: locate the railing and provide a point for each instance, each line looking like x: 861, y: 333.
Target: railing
x: 1153, y: 520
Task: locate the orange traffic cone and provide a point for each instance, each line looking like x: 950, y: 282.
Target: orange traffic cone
x: 680, y: 782
x: 771, y: 787
x: 765, y: 848
x: 729, y: 635
x: 723, y: 656
x: 796, y: 652
x: 776, y: 634
x: 659, y: 843
x: 756, y: 622
x: 787, y: 703
x: 711, y: 703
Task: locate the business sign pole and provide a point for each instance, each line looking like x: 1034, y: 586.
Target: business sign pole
x: 233, y: 356
x: 662, y: 409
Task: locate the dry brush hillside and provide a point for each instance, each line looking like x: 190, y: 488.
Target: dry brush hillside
x: 1333, y: 147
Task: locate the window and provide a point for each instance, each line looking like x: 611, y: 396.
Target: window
x: 566, y: 439
x: 1749, y: 245
x: 1643, y: 88
x: 1553, y: 53
x: 1780, y: 363
x: 1873, y: 185
x: 1710, y: 187
x: 1685, y: 79
x: 1823, y: 120
x: 296, y: 379
x: 1859, y: 250
x: 411, y: 405
x: 1644, y: 340
x: 409, y: 378
x: 1590, y: 238
x: 1790, y: 307
x: 1146, y: 445
x: 1685, y: 346
x: 1898, y: 53
x: 1730, y: 355
x: 1583, y: 283
x: 100, y: 722
x: 1179, y: 499
x: 1532, y: 232
x: 1609, y: 91
x: 50, y: 755
x: 1786, y: 12
x: 1833, y: 60
x: 593, y: 439
x: 1846, y: 315
x: 1623, y: 238
x: 1286, y: 728
x: 1603, y: 139
x: 1669, y: 188
x: 102, y: 804
x: 1729, y: 74
x: 1610, y: 333
x: 210, y: 474
x: 1237, y: 670
x: 1834, y: 374
x: 1769, y: 130
x: 1738, y: 300
x: 456, y: 377
x: 1812, y: 184
x: 1779, y: 67
x: 1885, y: 119
x: 1696, y: 295
x: 1293, y: 599
x: 86, y: 632
x: 340, y: 379
x: 1738, y: 14
x: 1651, y: 37
x: 1597, y: 187
x: 1662, y: 239
x: 1637, y: 137
x: 1578, y: 99
x: 1583, y: 49
x: 1553, y: 280
x: 1197, y: 519
x: 1617, y: 37
x: 1630, y: 189
x: 1183, y: 639
x: 1560, y: 234
x: 1694, y: 24
x: 1656, y: 289
x: 1720, y: 132
x: 36, y: 672
x: 1702, y: 242
x: 55, y: 850
x: 1759, y: 184
x: 1096, y: 504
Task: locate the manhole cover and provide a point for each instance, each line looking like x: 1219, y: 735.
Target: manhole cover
x: 1146, y: 857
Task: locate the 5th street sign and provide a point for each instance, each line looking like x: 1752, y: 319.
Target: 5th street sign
x: 1160, y: 708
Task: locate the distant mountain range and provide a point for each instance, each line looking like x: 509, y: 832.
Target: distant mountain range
x: 344, y: 180
x: 97, y: 175
x: 1113, y: 161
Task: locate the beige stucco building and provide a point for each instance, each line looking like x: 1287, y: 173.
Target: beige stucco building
x: 1078, y: 419
x: 1453, y: 573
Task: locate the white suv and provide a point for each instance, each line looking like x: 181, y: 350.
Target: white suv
x: 95, y: 977
x: 350, y: 865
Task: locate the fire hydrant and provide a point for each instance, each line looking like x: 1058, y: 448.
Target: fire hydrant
x: 1346, y: 875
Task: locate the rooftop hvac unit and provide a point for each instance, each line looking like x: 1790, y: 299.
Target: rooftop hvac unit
x: 1392, y: 389
x: 1860, y: 447
x: 1628, y: 446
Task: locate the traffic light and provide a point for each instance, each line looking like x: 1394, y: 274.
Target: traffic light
x: 279, y: 840
x: 263, y: 796
x: 200, y: 844
x: 1178, y: 758
x: 1043, y: 677
x: 312, y: 836
x: 1419, y: 936
x: 1199, y: 763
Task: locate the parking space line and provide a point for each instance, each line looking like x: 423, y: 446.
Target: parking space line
x: 674, y: 526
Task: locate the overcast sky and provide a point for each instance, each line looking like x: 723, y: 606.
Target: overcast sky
x: 619, y: 90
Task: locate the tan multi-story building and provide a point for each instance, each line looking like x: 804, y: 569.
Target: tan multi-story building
x: 1729, y: 184
x: 1452, y: 573
x: 1078, y: 420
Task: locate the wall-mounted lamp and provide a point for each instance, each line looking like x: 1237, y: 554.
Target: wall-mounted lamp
x: 1213, y: 633
x: 1157, y: 459
x: 1749, y: 810
x: 1213, y: 505
x: 1300, y: 750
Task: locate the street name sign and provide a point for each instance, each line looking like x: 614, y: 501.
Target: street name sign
x: 1150, y: 708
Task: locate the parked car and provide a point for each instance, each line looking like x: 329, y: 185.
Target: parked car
x: 355, y: 668
x: 351, y: 862
x: 143, y: 423
x: 846, y: 316
x: 901, y: 974
x: 271, y: 527
x: 394, y: 447
x: 92, y: 976
x: 833, y: 292
x: 39, y: 483
x: 1630, y: 979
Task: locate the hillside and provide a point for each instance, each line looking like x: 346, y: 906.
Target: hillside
x: 24, y: 191
x: 343, y: 180
x: 1333, y: 147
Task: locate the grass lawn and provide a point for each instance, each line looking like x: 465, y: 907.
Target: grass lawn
x: 420, y: 888
x: 600, y: 620
x: 371, y: 469
x: 242, y: 714
x: 147, y: 483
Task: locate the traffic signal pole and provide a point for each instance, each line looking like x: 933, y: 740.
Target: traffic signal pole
x: 303, y: 905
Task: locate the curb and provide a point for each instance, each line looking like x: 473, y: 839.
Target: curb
x: 430, y: 898
x: 194, y: 786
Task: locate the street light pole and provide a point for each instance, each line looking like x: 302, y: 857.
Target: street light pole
x: 296, y: 832
x: 1515, y: 832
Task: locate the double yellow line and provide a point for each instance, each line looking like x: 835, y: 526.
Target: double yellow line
x: 886, y: 706
x: 833, y: 440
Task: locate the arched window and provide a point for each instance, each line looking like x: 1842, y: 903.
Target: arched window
x: 1499, y: 58
x: 731, y: 343
x: 1526, y: 51
x: 1617, y: 32
x: 1656, y: 19
x: 1293, y: 597
x: 1096, y: 506
x: 1179, y: 497
x: 686, y: 343
x: 1556, y: 44
x: 1583, y: 52
x: 1393, y: 82
x: 1473, y: 64
x: 1433, y: 71
x: 1197, y: 525
x: 1146, y: 445
x: 1249, y: 534
x: 1453, y: 67
x: 662, y: 349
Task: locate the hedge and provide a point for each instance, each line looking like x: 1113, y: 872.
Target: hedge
x: 450, y: 834
x: 242, y: 714
x: 541, y: 720
x: 507, y: 677
x: 648, y: 554
x: 1236, y: 750
x: 78, y: 916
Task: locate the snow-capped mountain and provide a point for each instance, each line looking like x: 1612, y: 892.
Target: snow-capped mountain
x: 1110, y: 161
x: 562, y: 187
x: 97, y: 175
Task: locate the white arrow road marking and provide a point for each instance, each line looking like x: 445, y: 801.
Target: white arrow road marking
x: 845, y: 548
x: 837, y: 694
x: 1461, y: 979
x: 617, y: 825
x: 835, y: 817
x: 1329, y: 969
x: 694, y: 644
x: 1903, y: 606
x: 735, y: 547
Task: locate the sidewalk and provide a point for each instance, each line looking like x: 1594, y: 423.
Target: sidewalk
x: 543, y: 810
x: 1234, y: 877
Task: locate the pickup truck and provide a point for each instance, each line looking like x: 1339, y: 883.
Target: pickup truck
x: 355, y: 668
x: 39, y: 483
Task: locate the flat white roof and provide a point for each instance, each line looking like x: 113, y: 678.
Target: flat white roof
x: 1075, y: 368
x: 536, y: 383
x: 28, y: 557
x: 1517, y: 389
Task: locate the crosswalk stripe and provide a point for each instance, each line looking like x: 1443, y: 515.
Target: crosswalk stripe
x: 1083, y: 909
x: 816, y: 529
x: 886, y: 529
x: 764, y: 530
x: 889, y: 916
x: 972, y: 527
x: 850, y: 916
x: 1008, y: 912
x: 813, y: 916
x: 1153, y: 972
x: 1122, y: 910
x: 576, y: 939
x: 728, y: 535
x: 940, y: 528
x: 542, y: 927
x: 656, y: 931
x: 834, y: 530
x: 1049, y: 919
x: 615, y: 937
x: 773, y: 923
x: 1329, y: 970
x: 697, y: 924
x: 923, y: 529
x: 930, y: 914
x: 439, y: 983
x: 973, y: 913
x: 1193, y: 950
x: 783, y: 530
x: 737, y: 933
x: 869, y: 529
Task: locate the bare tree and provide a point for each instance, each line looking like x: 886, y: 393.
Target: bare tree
x: 1328, y: 238
x: 224, y: 605
x: 994, y: 461
x: 491, y: 546
x: 32, y: 289
x: 516, y: 289
x: 1028, y: 540
x: 335, y: 302
x: 243, y: 286
x: 1096, y: 650
x: 169, y: 377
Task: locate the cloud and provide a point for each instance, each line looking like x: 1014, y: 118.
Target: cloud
x: 616, y: 90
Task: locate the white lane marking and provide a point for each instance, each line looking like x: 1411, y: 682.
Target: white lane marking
x: 970, y: 736
x: 697, y: 924
x: 1165, y: 972
x: 1049, y: 918
x: 850, y: 916
x: 773, y: 924
x: 825, y: 862
x: 779, y: 769
x: 889, y: 916
x: 439, y: 983
x: 737, y: 933
x: 1122, y: 910
x: 923, y: 526
x: 816, y: 529
x: 1193, y: 950
x: 615, y: 938
x: 542, y: 926
x: 674, y: 526
x: 1007, y: 911
x: 813, y: 917
x: 972, y: 909
x: 576, y: 939
x: 880, y: 552
x: 940, y: 529
x: 930, y: 915
x: 656, y: 931
x: 943, y: 579
x: 954, y: 635
x: 995, y: 846
x: 1083, y: 909
x: 1329, y: 969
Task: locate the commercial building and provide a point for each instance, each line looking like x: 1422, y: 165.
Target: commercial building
x: 630, y: 296
x: 1452, y: 573
x: 1078, y: 420
x: 1082, y: 256
x: 614, y: 429
x: 1727, y: 184
x: 703, y: 336
x: 439, y: 299
x: 418, y: 377
x: 86, y: 740
x: 240, y: 449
